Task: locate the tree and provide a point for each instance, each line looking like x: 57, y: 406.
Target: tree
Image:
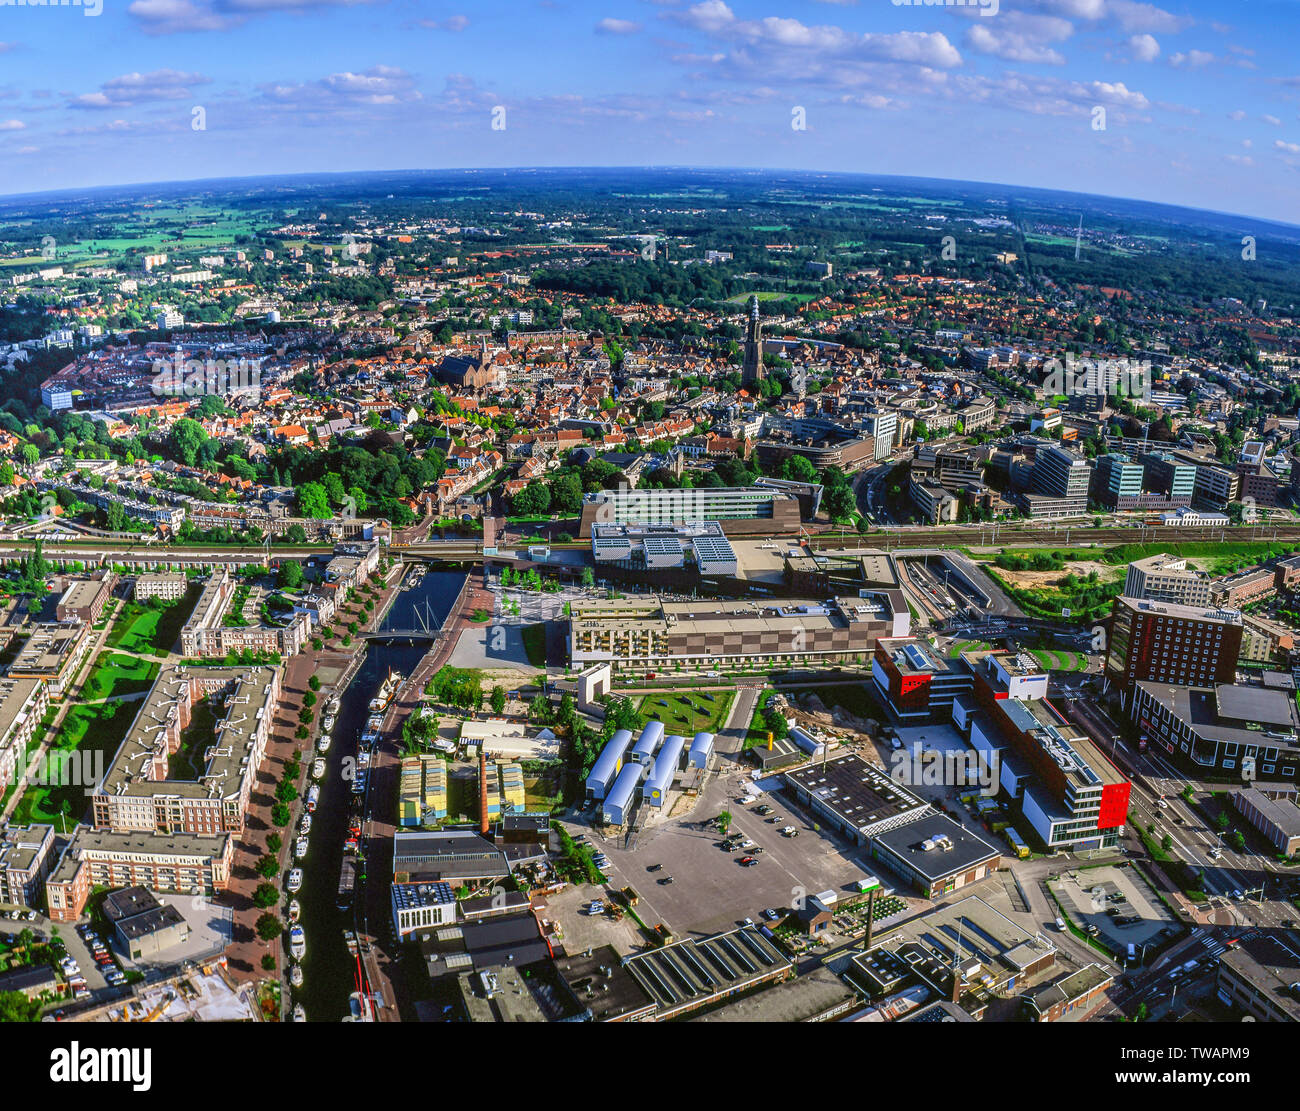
x: 308, y: 698
x: 31, y: 454
x: 266, y: 895
x: 498, y: 699
x: 290, y: 575
x: 268, y: 962
x: 314, y: 682
x: 269, y: 927
x: 280, y: 814
x: 588, y: 577
x: 313, y: 501
x: 16, y: 1007
x: 799, y: 469
x: 724, y: 822
x: 267, y: 867
x: 187, y: 437
x: 533, y: 500
x: 274, y: 841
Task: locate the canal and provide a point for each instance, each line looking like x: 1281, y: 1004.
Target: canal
x: 328, y: 967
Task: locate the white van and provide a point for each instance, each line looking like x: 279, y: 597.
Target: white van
x: 1060, y: 924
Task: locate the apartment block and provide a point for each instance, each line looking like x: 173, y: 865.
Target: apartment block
x: 146, y: 788
x: 1166, y: 578
x: 1168, y: 643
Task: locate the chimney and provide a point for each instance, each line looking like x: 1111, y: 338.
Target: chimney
x: 482, y: 791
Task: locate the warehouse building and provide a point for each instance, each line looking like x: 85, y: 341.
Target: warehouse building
x: 607, y: 766
x: 621, y: 800
x: 1274, y: 813
x: 695, y: 973
x: 935, y: 854
x: 855, y: 798
x: 1258, y: 976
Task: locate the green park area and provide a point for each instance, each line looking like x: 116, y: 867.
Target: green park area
x: 153, y: 628
x: 116, y: 674
x: 90, y: 736
x: 1059, y: 660
x: 688, y: 714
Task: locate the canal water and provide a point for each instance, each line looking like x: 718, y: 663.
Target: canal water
x: 328, y: 968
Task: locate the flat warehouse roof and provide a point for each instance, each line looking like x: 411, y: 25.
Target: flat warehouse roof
x: 859, y: 793
x: 965, y: 850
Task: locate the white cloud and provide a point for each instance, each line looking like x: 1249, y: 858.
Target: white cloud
x: 1017, y: 37
x: 1134, y: 16
x: 1271, y: 120
x: 792, y: 43
x: 139, y: 88
x: 1290, y: 148
x: 12, y: 125
x: 1144, y: 48
x: 1237, y: 115
x: 451, y: 23
x: 1192, y: 59
x: 609, y: 26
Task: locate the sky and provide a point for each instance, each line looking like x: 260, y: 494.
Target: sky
x: 1192, y: 103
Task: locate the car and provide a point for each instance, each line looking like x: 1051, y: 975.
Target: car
x: 747, y: 922
x: 654, y: 867
x: 1238, y: 894
x: 728, y: 847
x: 771, y: 915
x: 748, y: 860
x: 664, y: 881
x: 774, y: 819
x: 1162, y: 804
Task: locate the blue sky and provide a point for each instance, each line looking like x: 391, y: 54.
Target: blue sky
x: 1201, y: 100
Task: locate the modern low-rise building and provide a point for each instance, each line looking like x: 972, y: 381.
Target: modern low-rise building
x: 648, y: 632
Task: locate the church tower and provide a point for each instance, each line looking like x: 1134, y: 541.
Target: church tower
x: 753, y: 368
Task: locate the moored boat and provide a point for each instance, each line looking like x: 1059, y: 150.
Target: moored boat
x: 297, y: 942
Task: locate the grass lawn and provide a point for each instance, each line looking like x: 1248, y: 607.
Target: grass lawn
x: 187, y: 762
x: 535, y: 644
x: 86, y: 729
x: 688, y: 714
x: 960, y: 646
x: 118, y: 674
x: 757, y: 734
x: 152, y: 631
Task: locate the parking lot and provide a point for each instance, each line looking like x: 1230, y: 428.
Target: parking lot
x: 711, y: 889
x: 1090, y: 897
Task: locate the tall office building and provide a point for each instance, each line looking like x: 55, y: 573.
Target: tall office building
x: 1168, y: 643
x: 1060, y: 473
x: 753, y: 370
x: 1164, y: 578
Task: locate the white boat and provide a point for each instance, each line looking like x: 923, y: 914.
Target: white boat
x: 387, y: 689
x: 294, y: 882
x: 300, y: 848
x: 323, y: 744
x: 297, y: 942
x: 313, y: 797
x: 299, y: 1014
x: 295, y: 975
x: 327, y: 724
x: 306, y: 825
x: 294, y: 910
x: 317, y: 768
x: 333, y: 707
